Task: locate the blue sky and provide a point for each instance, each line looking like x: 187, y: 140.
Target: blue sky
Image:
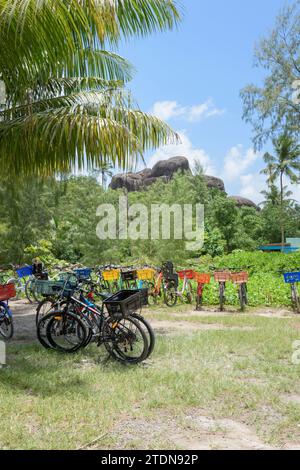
x: 192, y: 78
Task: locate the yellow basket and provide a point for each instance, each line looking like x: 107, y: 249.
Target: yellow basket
x: 145, y: 274
x: 112, y: 275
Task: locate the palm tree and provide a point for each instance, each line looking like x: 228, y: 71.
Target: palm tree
x: 66, y: 103
x: 285, y: 163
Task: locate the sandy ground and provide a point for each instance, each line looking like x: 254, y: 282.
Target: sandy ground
x: 196, y: 429
x: 25, y: 331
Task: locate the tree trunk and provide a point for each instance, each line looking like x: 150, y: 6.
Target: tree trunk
x: 282, y: 222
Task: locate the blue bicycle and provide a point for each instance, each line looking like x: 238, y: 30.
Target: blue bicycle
x: 7, y: 291
x: 293, y: 278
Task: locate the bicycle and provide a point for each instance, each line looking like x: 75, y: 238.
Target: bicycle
x: 7, y: 292
x: 202, y: 280
x: 240, y: 278
x: 222, y: 276
x: 171, y: 292
x: 293, y: 278
x: 121, y: 333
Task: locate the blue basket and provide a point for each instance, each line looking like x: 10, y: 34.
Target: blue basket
x: 83, y: 273
x: 25, y: 271
x: 291, y: 278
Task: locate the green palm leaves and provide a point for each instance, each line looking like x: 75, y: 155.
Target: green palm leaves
x: 66, y: 106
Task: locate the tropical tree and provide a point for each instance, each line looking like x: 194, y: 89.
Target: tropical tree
x: 275, y: 106
x: 285, y: 163
x: 66, y: 105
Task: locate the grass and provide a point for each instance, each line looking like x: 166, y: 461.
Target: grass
x: 240, y: 371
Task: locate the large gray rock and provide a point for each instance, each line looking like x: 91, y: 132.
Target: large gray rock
x: 170, y: 167
x: 213, y: 182
x: 163, y: 171
x: 244, y: 202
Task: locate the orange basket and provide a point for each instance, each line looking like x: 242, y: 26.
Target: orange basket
x: 240, y: 278
x: 8, y: 291
x: 188, y: 274
x: 202, y: 278
x: 222, y: 276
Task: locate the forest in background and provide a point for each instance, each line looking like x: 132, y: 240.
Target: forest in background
x: 56, y: 219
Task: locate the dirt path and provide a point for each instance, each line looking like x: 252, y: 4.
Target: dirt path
x: 25, y: 331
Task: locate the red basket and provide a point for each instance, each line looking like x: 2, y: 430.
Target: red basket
x: 240, y: 278
x: 222, y: 276
x: 8, y: 291
x: 202, y: 278
x: 188, y: 274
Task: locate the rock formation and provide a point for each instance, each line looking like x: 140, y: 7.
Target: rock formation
x: 163, y: 171
x: 244, y: 202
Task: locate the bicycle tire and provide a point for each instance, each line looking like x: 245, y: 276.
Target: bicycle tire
x: 222, y: 296
x: 114, y: 334
x: 149, y: 330
x: 76, y: 326
x: 170, y: 295
x: 6, y: 322
x: 295, y: 299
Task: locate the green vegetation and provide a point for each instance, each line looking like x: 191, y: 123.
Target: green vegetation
x: 239, y: 369
x: 65, y: 103
x: 56, y: 219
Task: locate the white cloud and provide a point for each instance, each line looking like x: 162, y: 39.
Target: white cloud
x: 167, y: 110
x: 185, y: 149
x: 237, y: 161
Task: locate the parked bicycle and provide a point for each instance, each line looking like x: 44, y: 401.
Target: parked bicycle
x: 73, y: 322
x: 7, y: 292
x: 172, y: 292
x: 222, y: 277
x: 293, y: 278
x: 202, y: 280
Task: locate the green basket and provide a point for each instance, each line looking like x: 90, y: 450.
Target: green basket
x: 52, y: 288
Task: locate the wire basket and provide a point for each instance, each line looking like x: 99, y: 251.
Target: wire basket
x: 240, y: 278
x: 291, y: 278
x: 186, y: 274
x: 25, y: 271
x: 222, y: 276
x: 124, y: 302
x: 7, y: 291
x: 201, y: 278
x: 83, y: 273
x: 112, y: 275
x: 145, y: 274
x: 54, y: 288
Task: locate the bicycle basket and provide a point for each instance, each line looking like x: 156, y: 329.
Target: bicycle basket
x: 83, y: 273
x: 124, y: 302
x: 129, y: 275
x: 112, y: 275
x: 53, y: 288
x: 222, y: 276
x: 25, y: 271
x: 67, y: 277
x: 188, y: 274
x: 7, y: 291
x: 201, y: 278
x: 240, y: 278
x: 145, y: 274
x: 291, y: 278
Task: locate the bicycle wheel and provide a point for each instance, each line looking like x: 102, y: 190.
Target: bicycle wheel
x: 295, y: 299
x: 6, y: 322
x: 44, y: 307
x: 222, y: 295
x: 41, y: 330
x: 243, y: 296
x: 189, y: 293
x: 170, y: 295
x: 148, y: 330
x: 199, y: 297
x: 125, y: 340
x: 29, y: 290
x: 66, y: 332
